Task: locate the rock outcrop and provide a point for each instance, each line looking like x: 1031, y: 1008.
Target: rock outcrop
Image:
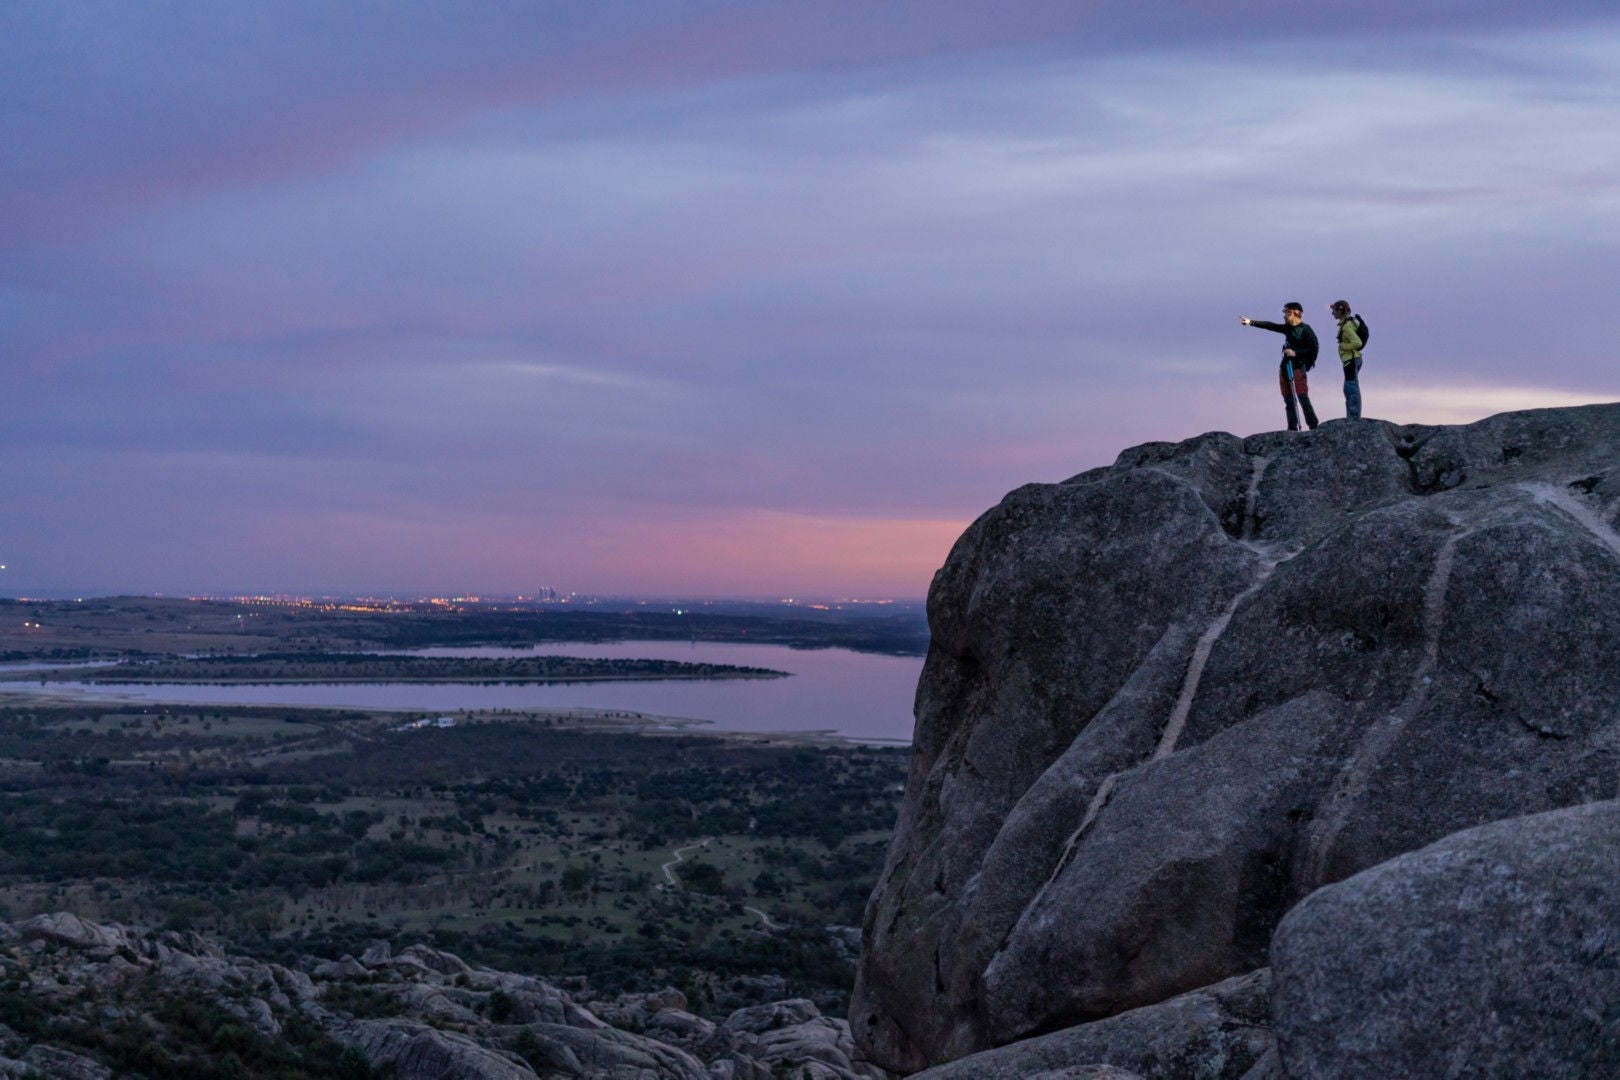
x: 1169, y: 699
x: 1221, y: 1030
x: 1493, y: 952
x: 99, y: 1000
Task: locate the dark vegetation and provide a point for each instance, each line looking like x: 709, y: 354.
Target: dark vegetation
x: 903, y: 633
x: 507, y: 839
x: 153, y: 626
x: 184, y: 1035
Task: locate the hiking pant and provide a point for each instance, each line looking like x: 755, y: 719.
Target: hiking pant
x: 1352, y: 389
x: 1301, y: 390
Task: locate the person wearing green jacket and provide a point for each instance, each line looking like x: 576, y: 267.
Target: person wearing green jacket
x: 1350, y: 344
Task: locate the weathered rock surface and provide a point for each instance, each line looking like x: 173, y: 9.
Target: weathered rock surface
x: 65, y: 928
x: 416, y: 1051
x: 1217, y: 1033
x: 414, y: 1015
x: 48, y: 1061
x: 1493, y: 952
x: 1168, y: 699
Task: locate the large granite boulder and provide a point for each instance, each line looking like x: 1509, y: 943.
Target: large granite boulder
x: 66, y: 928
x: 1493, y: 952
x: 1166, y: 700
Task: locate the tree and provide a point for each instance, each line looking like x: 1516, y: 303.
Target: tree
x: 704, y: 877
x: 577, y: 878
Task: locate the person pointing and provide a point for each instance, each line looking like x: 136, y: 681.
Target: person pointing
x: 1298, y: 357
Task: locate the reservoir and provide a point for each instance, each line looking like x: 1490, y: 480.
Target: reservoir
x: 861, y: 696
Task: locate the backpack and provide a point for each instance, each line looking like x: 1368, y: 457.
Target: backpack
x: 1361, y: 329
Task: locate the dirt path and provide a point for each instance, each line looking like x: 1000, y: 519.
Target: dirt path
x: 764, y: 918
x: 680, y: 857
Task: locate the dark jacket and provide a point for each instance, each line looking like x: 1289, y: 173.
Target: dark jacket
x: 1301, y: 338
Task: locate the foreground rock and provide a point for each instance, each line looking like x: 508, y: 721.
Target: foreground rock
x: 93, y: 1001
x: 1218, y: 1033
x: 1168, y: 699
x: 1494, y: 952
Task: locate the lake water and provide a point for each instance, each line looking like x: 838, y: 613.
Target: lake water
x: 855, y: 695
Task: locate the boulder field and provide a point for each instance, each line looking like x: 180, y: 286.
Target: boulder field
x: 81, y: 1000
x: 1215, y: 688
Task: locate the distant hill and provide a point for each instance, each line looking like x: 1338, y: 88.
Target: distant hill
x: 156, y: 626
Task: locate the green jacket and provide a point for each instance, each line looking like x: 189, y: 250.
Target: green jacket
x: 1349, y: 341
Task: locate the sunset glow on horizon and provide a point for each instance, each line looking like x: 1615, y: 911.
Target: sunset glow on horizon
x: 740, y: 299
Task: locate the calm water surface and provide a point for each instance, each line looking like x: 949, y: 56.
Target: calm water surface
x: 856, y: 695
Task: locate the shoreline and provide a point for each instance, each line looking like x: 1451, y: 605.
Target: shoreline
x: 577, y: 718
x: 418, y: 681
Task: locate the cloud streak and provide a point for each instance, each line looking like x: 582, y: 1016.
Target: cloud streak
x: 589, y: 276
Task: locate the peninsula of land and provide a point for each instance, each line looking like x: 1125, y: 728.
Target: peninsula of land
x: 374, y: 668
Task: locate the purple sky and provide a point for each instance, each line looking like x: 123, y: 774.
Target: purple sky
x: 740, y: 298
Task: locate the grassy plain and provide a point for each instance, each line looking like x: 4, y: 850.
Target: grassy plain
x: 565, y: 845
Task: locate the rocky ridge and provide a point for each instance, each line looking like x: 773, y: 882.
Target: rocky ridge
x: 89, y: 1001
x: 1170, y: 699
